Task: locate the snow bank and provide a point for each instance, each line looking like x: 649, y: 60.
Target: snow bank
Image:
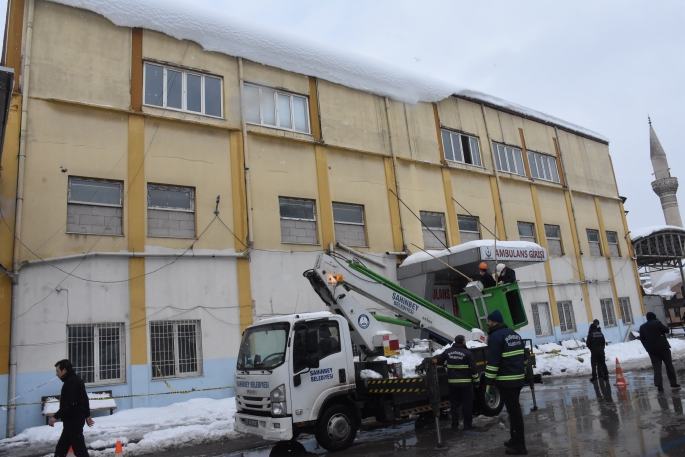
x: 219, y: 32
x: 421, y: 256
x: 370, y: 374
x: 646, y: 231
x: 97, y: 401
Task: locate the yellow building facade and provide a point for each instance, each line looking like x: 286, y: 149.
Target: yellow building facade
x: 157, y: 201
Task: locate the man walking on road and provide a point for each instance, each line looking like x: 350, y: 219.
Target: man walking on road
x: 653, y: 337
x: 461, y: 377
x: 596, y: 344
x: 74, y: 410
x: 506, y: 370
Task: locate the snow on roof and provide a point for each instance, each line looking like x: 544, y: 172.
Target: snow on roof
x: 219, y: 32
x: 646, y: 231
x: 421, y: 256
x: 668, y: 280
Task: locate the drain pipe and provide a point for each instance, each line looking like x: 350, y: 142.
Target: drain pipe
x: 246, y: 155
x: 14, y: 336
x: 391, y: 135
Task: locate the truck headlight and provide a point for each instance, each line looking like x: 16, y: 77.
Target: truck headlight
x: 278, y: 401
x: 278, y: 408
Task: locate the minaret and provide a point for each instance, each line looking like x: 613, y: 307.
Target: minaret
x: 664, y: 185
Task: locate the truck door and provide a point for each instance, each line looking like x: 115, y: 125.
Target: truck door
x: 332, y: 374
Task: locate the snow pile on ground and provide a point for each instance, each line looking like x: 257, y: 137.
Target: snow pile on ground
x: 370, y: 374
x: 97, y: 401
x: 421, y: 256
x: 193, y: 422
x: 215, y: 30
x: 559, y: 360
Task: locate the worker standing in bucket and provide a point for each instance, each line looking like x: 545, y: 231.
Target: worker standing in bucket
x: 505, y: 275
x: 461, y: 377
x: 506, y: 370
x: 485, y: 277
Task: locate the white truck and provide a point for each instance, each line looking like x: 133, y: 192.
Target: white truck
x: 297, y: 373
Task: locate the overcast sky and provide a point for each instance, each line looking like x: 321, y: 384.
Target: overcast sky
x: 603, y: 65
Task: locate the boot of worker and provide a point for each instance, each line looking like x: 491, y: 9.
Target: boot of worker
x: 517, y: 449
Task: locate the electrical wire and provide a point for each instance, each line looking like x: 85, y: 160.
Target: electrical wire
x: 476, y: 218
x: 414, y: 214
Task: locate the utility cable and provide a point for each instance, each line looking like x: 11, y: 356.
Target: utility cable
x: 423, y: 223
x: 476, y: 218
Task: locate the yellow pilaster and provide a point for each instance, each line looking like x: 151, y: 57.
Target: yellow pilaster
x: 240, y: 229
x: 631, y: 254
x: 607, y: 255
x: 8, y: 194
x: 15, y: 30
x: 452, y: 223
x: 393, y: 205
x: 542, y: 241
x: 325, y: 204
x: 494, y: 189
x: 578, y: 258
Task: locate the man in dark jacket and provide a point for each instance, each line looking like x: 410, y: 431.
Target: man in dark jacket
x: 74, y: 410
x: 596, y: 343
x: 485, y: 277
x: 461, y: 376
x: 505, y: 275
x: 653, y: 337
x: 506, y: 370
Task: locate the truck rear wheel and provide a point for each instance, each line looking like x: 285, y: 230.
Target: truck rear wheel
x: 336, y: 428
x: 490, y: 405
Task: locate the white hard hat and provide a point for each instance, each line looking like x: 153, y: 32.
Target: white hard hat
x: 500, y: 267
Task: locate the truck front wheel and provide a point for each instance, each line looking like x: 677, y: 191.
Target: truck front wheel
x: 336, y: 428
x: 490, y: 405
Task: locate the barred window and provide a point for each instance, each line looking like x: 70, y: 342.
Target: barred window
x: 626, y: 311
x: 469, y: 228
x: 567, y: 321
x: 553, y: 235
x: 435, y: 237
x: 97, y: 352
x: 176, y: 348
x: 608, y: 315
x: 612, y: 241
x: 593, y: 241
x: 541, y: 320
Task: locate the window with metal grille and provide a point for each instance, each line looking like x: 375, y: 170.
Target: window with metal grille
x: 543, y: 167
x: 509, y: 159
x: 275, y: 108
x: 176, y: 348
x: 526, y: 231
x: 567, y: 321
x: 608, y: 315
x: 461, y: 148
x: 469, y: 228
x: 541, y: 320
x: 348, y: 221
x: 593, y: 240
x: 435, y: 237
x: 298, y: 221
x: 94, y: 206
x: 183, y: 90
x: 97, y: 352
x: 170, y: 211
x: 626, y: 311
x: 612, y: 241
x: 553, y: 234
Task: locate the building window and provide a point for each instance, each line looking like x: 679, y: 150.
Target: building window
x: 97, y: 352
x: 349, y: 224
x: 593, y: 240
x: 175, y: 348
x: 182, y: 90
x: 94, y: 206
x: 435, y: 237
x: 509, y: 159
x: 526, y: 231
x: 541, y: 320
x: 461, y: 148
x: 298, y: 221
x: 608, y: 315
x: 543, y: 167
x: 553, y: 234
x: 170, y: 211
x: 274, y: 108
x: 567, y: 321
x: 469, y: 228
x: 626, y: 311
x: 612, y: 241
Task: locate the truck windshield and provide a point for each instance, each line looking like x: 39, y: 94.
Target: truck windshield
x: 263, y: 347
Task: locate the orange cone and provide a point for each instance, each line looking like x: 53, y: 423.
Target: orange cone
x: 71, y: 452
x: 118, y: 449
x: 620, y: 379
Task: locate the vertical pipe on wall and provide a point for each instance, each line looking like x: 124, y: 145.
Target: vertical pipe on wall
x: 494, y: 167
x: 246, y: 156
x: 17, y: 219
x: 394, y: 166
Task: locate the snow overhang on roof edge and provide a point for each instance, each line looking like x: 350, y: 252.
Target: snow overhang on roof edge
x: 216, y: 31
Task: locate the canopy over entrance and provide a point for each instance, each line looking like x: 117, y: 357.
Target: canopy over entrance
x: 659, y: 247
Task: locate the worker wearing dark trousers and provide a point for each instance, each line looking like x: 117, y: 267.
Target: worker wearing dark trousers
x: 461, y: 377
x: 506, y: 370
x: 653, y: 337
x: 596, y: 343
x: 74, y: 410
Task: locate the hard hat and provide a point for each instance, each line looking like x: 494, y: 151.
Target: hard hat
x: 483, y: 266
x: 500, y: 267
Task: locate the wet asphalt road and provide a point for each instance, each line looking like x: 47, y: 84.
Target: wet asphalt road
x: 574, y: 418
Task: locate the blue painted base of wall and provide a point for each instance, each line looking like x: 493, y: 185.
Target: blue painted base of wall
x: 615, y: 334
x: 217, y: 373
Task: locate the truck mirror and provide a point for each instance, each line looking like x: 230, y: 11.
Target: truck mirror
x: 313, y: 361
x: 312, y: 341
